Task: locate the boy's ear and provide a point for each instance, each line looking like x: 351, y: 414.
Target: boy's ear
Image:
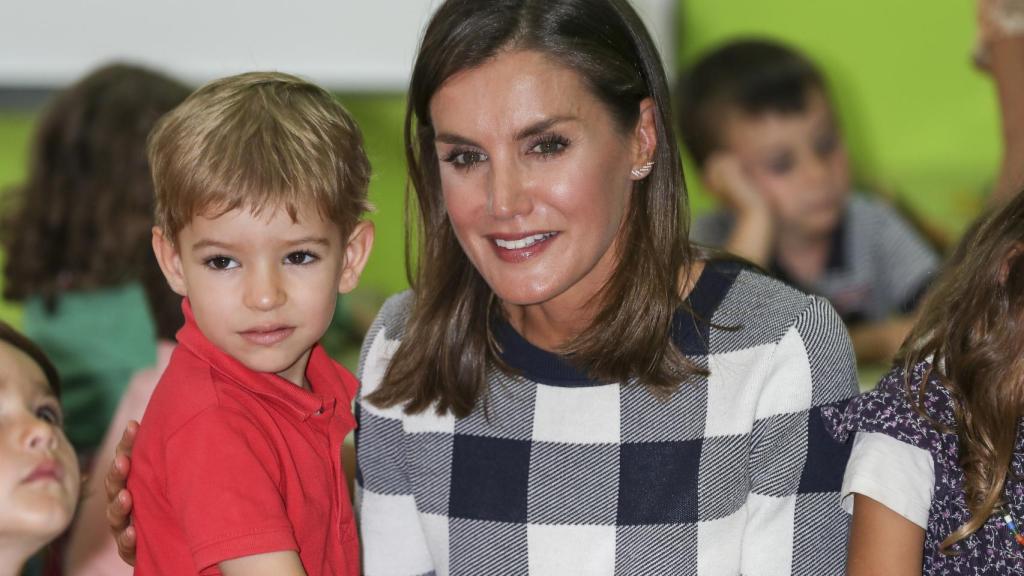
x: 170, y: 261
x: 357, y: 251
x: 645, y: 136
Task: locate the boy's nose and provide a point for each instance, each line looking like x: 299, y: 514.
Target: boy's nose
x: 264, y: 291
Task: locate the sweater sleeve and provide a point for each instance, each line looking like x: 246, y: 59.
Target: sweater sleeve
x: 393, y: 541
x: 795, y: 523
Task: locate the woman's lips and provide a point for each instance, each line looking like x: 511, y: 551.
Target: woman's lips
x: 521, y: 247
x: 46, y: 470
x: 267, y: 336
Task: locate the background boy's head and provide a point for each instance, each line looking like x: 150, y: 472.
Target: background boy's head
x: 766, y: 106
x: 261, y: 183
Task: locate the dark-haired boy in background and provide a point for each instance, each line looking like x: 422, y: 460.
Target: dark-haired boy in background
x: 757, y: 119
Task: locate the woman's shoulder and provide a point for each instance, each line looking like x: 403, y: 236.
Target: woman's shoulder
x: 910, y: 405
x: 758, y: 309
x: 392, y: 316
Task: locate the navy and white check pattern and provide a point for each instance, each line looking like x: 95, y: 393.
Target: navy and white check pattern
x: 732, y: 474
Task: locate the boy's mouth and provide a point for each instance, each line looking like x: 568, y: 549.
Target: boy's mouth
x: 267, y: 335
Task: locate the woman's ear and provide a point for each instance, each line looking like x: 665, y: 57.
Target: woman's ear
x: 645, y: 139
x: 169, y: 258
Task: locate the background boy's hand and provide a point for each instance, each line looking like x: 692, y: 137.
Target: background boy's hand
x: 727, y: 179
x: 753, y: 233
x: 119, y: 500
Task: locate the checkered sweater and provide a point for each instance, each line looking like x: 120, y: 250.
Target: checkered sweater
x: 733, y: 474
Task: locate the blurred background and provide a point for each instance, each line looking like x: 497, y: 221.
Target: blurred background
x: 920, y: 122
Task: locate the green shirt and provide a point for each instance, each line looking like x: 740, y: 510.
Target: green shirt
x: 97, y: 340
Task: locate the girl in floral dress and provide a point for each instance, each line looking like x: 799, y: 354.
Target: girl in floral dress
x: 935, y: 480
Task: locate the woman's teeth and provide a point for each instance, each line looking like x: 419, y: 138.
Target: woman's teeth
x: 522, y: 242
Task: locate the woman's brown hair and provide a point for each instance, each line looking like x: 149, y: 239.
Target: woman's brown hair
x: 971, y: 332
x: 444, y: 355
x: 83, y: 218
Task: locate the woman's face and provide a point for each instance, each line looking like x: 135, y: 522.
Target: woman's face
x: 39, y: 478
x: 536, y: 176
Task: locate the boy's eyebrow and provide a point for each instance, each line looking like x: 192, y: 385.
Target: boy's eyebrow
x: 531, y: 130
x: 207, y: 243
x: 309, y: 240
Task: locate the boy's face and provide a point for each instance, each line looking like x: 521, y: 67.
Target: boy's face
x: 797, y: 161
x: 39, y: 480
x: 263, y: 288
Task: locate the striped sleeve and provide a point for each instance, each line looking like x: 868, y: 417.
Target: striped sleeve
x: 795, y: 523
x: 392, y: 538
x: 906, y: 261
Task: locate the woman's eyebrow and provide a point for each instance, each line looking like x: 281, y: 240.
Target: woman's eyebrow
x: 542, y: 126
x: 531, y: 130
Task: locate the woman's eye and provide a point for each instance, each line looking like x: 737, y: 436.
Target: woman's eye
x: 50, y: 414
x: 301, y: 257
x: 549, y: 146
x: 221, y: 263
x: 465, y: 158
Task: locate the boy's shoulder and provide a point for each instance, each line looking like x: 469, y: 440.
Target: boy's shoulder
x: 187, y: 388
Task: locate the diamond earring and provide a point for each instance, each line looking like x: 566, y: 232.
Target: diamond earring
x: 642, y: 172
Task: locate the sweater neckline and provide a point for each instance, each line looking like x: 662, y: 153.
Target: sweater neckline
x: 689, y: 331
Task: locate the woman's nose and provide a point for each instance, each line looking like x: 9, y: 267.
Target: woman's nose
x: 507, y: 197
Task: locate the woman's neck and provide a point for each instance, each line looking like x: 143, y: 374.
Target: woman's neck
x: 552, y: 325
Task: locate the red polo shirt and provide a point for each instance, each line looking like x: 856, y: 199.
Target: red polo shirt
x: 231, y: 463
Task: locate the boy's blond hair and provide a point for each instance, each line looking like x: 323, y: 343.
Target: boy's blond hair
x: 258, y: 140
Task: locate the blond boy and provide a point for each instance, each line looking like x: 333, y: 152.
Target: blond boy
x: 261, y: 182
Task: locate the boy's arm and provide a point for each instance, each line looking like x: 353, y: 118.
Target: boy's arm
x: 882, y: 541
x: 270, y: 564
x: 753, y: 234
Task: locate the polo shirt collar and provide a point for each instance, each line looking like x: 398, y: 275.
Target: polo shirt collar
x: 837, y: 256
x: 330, y: 382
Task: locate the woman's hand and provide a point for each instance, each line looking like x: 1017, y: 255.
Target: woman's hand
x: 119, y: 500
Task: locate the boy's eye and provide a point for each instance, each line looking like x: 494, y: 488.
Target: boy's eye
x: 464, y: 159
x: 301, y: 257
x: 49, y: 413
x: 826, y: 145
x: 549, y: 145
x: 221, y: 263
x: 781, y: 165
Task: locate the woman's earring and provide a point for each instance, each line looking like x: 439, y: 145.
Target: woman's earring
x: 642, y: 172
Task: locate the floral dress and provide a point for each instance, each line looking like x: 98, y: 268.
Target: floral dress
x: 890, y: 410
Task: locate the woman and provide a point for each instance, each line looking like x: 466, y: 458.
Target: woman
x: 567, y: 388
